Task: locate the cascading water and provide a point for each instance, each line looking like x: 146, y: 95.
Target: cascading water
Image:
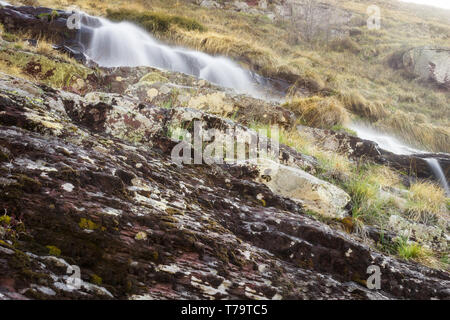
x: 385, y: 141
x: 393, y: 145
x: 126, y: 45
x: 439, y: 173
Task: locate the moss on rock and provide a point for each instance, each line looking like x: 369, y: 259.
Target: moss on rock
x: 52, y: 72
x: 153, y: 77
x: 54, y: 251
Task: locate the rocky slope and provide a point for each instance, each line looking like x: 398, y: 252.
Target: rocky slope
x: 139, y: 225
x: 88, y: 181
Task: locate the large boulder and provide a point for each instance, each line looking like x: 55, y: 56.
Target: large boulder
x: 427, y: 63
x: 316, y: 195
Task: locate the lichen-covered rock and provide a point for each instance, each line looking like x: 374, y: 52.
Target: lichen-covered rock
x: 317, y: 195
x: 431, y: 236
x: 137, y: 225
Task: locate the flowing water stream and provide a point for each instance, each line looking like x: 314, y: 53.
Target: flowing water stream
x: 124, y: 44
x: 394, y: 145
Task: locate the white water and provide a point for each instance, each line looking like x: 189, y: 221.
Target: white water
x: 439, y: 174
x: 393, y: 145
x: 384, y: 140
x: 125, y: 44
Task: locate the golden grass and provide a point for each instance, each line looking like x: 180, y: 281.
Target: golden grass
x: 345, y: 45
x: 417, y: 133
x: 383, y: 176
x: 319, y: 112
x: 45, y: 48
x: 356, y: 103
x: 11, y: 69
x: 410, y: 251
x: 426, y: 201
x: 333, y: 165
x: 238, y: 48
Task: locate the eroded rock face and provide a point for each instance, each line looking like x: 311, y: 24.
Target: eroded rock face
x: 76, y: 185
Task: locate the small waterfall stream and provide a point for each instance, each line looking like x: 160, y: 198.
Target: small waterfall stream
x: 384, y: 140
x: 124, y: 44
x: 439, y: 174
x: 393, y: 145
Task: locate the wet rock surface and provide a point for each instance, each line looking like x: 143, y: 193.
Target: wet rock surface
x: 88, y: 181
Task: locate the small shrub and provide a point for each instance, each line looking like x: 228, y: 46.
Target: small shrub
x: 5, y: 220
x: 345, y: 44
x: 408, y: 250
x: 49, y: 16
x: 341, y: 128
x: 364, y: 189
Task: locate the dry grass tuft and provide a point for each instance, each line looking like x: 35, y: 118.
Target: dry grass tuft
x: 356, y: 103
x: 383, y: 176
x: 426, y: 201
x: 319, y: 112
x: 345, y: 44
x: 417, y: 133
x: 44, y: 47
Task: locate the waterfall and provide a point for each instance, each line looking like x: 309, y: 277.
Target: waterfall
x: 124, y: 44
x: 384, y: 140
x: 439, y: 174
x: 395, y: 146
